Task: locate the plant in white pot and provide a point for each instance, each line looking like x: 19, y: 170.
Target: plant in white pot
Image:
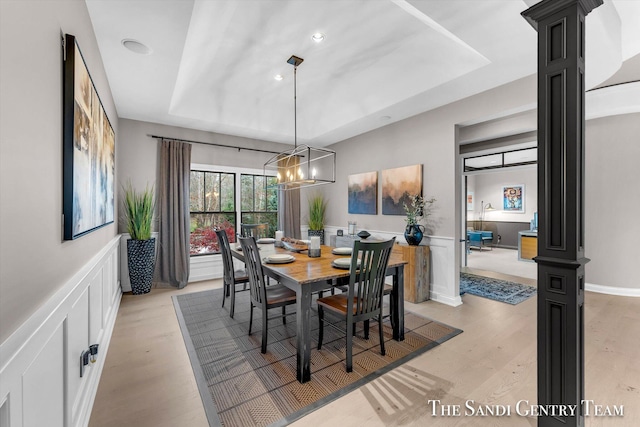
x: 138, y: 213
x: 317, y: 209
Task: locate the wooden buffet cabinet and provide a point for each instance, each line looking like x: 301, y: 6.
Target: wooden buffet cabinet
x: 416, y: 272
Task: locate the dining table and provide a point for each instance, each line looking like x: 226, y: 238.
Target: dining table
x: 306, y: 275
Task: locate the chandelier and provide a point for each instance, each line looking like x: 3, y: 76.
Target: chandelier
x: 302, y: 166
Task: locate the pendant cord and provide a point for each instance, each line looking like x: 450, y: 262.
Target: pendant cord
x: 295, y: 107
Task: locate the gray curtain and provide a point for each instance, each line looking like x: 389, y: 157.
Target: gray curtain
x: 172, y: 263
x: 289, y: 213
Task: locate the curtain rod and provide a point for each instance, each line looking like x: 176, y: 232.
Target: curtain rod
x: 214, y: 144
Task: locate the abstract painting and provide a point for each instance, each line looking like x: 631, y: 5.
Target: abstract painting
x: 513, y: 198
x: 88, y: 153
x: 470, y: 201
x: 398, y: 186
x: 363, y: 193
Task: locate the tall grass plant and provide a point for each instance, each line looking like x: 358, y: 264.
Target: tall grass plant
x: 138, y: 211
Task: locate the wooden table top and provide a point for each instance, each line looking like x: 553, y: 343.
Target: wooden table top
x: 306, y: 269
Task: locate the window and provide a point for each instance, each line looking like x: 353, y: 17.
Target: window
x: 259, y: 201
x: 212, y: 205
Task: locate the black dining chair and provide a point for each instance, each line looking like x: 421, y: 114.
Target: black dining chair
x: 363, y: 299
x: 231, y: 276
x: 263, y: 296
x: 254, y: 230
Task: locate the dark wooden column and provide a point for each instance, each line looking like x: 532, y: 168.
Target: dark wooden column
x: 561, y: 46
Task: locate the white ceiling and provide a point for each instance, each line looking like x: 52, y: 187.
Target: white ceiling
x: 213, y: 62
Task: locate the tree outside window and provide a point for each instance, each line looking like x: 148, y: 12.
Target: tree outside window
x: 212, y: 205
x: 259, y: 201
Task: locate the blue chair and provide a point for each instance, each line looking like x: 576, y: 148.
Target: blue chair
x: 475, y: 239
x: 487, y: 239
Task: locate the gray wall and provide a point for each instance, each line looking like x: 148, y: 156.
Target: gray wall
x: 612, y: 200
x: 427, y: 139
x: 487, y: 188
x: 138, y: 156
x: 34, y: 261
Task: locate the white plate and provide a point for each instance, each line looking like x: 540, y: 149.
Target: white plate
x: 279, y: 259
x: 343, y: 263
x: 265, y: 240
x: 342, y: 251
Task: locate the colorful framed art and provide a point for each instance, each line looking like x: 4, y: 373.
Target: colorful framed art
x: 513, y: 198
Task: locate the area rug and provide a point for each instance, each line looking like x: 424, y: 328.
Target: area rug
x: 240, y: 386
x: 495, y: 289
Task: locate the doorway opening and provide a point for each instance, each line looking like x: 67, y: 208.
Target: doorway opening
x: 499, y: 186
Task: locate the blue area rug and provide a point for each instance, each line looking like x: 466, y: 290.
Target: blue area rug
x: 495, y: 289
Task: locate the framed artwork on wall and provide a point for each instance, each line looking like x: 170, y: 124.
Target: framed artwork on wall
x: 513, y: 198
x: 470, y: 201
x: 398, y: 186
x: 88, y: 150
x: 363, y: 193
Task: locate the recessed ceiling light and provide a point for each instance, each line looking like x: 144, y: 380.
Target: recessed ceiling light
x: 317, y: 37
x: 278, y: 77
x: 136, y: 46
x: 385, y: 118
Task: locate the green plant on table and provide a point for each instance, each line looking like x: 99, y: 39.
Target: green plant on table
x: 317, y: 209
x: 419, y: 209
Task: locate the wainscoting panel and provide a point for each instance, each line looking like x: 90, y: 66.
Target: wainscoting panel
x: 43, y: 385
x: 206, y: 267
x: 443, y: 280
x: 77, y: 331
x: 40, y: 383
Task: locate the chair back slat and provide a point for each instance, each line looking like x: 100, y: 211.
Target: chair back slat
x: 227, y: 259
x: 366, y: 281
x: 254, y: 230
x: 254, y: 270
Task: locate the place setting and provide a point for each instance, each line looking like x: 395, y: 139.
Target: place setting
x: 342, y: 251
x: 343, y: 263
x: 265, y: 241
x: 279, y: 259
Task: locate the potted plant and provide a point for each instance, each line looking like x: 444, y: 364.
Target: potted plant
x: 138, y: 214
x: 317, y: 209
x: 419, y: 210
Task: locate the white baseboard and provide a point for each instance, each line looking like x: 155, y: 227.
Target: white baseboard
x: 40, y: 381
x: 612, y: 290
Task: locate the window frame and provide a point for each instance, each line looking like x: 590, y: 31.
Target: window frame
x: 253, y: 211
x: 238, y: 171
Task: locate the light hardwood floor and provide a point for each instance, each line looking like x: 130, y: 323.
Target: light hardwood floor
x: 148, y: 380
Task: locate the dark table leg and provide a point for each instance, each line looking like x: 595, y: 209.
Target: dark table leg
x: 303, y: 309
x: 398, y: 304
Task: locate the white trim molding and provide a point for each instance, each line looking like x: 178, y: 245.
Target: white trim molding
x: 613, y: 290
x: 40, y: 381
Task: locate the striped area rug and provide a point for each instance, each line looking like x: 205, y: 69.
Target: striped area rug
x: 240, y: 386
